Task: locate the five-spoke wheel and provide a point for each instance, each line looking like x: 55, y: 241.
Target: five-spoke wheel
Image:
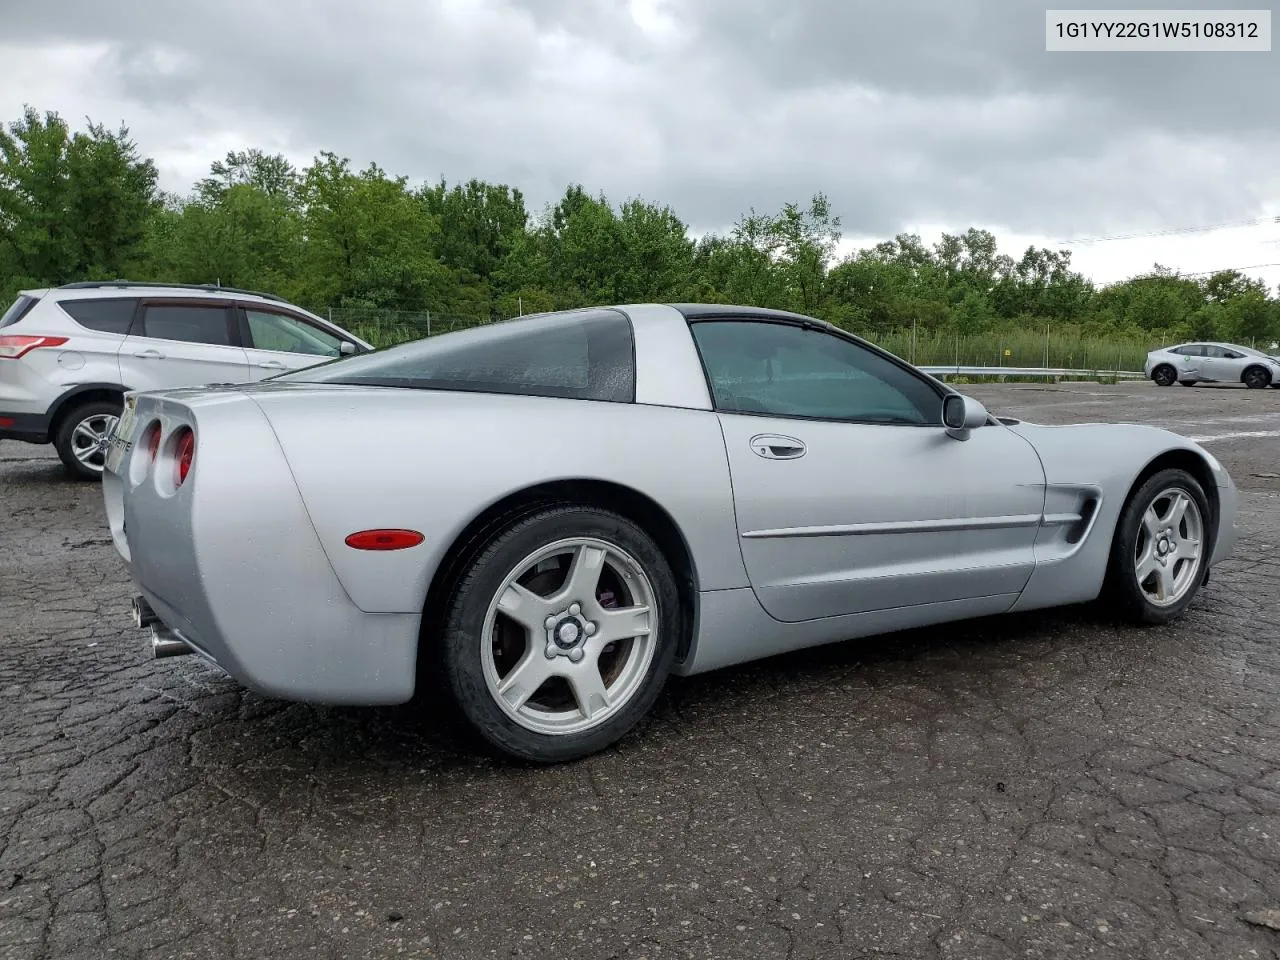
x: 568, y: 639
x: 561, y: 632
x: 1161, y: 548
x: 1169, y: 549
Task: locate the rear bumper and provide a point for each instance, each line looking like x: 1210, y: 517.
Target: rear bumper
x: 358, y: 659
x: 231, y: 564
x: 28, y: 427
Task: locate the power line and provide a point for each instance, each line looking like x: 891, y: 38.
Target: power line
x: 1252, y: 266
x: 1199, y: 273
x: 1256, y: 221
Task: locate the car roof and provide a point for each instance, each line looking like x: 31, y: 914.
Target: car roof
x: 95, y: 288
x: 703, y: 311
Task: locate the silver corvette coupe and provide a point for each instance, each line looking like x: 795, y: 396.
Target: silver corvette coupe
x: 543, y: 518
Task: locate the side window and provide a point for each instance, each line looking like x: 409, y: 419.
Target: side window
x: 1216, y: 353
x: 105, y: 316
x: 18, y: 309
x: 787, y: 371
x: 1232, y: 355
x: 582, y: 354
x: 276, y: 331
x: 192, y: 323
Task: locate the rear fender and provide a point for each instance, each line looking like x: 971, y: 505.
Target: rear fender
x: 433, y: 461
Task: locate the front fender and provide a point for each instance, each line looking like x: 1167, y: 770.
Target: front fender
x: 1110, y: 458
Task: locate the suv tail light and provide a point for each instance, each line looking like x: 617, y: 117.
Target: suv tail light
x: 15, y: 347
x: 184, y: 453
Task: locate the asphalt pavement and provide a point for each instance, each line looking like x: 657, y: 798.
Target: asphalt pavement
x: 1048, y: 785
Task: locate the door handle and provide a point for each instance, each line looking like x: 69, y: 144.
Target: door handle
x: 773, y: 447
x: 149, y: 355
x: 270, y: 364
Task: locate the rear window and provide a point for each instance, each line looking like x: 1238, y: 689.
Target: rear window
x: 105, y: 316
x: 577, y: 354
x: 18, y: 310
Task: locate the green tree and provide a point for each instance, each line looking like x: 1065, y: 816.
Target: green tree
x: 71, y: 206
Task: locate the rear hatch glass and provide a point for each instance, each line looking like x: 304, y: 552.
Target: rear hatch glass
x: 18, y: 310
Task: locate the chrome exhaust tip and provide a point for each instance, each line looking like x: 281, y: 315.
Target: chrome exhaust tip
x: 143, y: 615
x: 166, y: 643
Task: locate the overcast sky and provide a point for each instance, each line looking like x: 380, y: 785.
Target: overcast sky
x: 911, y: 115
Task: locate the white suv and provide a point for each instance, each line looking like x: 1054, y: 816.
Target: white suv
x: 68, y: 354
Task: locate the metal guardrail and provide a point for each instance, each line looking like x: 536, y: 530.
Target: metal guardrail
x: 1047, y: 372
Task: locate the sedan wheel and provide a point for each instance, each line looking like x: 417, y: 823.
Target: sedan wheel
x: 81, y: 440
x: 1256, y: 378
x: 1164, y: 375
x: 1161, y: 548
x: 561, y: 637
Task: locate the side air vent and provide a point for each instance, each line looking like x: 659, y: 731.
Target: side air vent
x: 1076, y: 531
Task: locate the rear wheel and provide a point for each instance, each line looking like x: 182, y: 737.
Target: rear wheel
x: 1160, y: 550
x: 1257, y: 378
x: 1164, y: 375
x: 560, y: 634
x: 81, y: 439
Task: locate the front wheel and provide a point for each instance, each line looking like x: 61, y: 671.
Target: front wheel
x: 81, y: 440
x: 1188, y: 383
x: 1256, y: 378
x: 1160, y: 550
x: 561, y: 633
x: 1164, y: 375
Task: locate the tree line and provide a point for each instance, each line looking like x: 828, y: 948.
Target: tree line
x: 85, y: 205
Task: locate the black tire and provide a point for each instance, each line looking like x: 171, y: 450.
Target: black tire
x: 1256, y: 378
x: 94, y: 414
x: 460, y: 641
x: 1164, y: 375
x: 1123, y: 589
x: 1188, y: 383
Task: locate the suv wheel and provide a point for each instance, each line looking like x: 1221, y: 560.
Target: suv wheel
x: 81, y: 440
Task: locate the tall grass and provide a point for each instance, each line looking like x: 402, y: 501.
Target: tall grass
x: 1017, y: 348
x: 926, y: 348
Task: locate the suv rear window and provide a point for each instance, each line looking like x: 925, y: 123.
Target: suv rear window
x: 105, y: 316
x: 579, y: 354
x: 18, y: 310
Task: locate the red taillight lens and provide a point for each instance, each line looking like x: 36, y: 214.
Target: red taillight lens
x: 384, y: 539
x: 185, y: 452
x: 14, y: 347
x: 153, y: 442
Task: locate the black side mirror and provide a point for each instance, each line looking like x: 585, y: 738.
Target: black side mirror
x: 960, y: 414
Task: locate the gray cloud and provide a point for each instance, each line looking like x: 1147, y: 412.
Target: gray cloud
x: 940, y: 111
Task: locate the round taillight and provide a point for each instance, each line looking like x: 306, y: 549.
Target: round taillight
x: 153, y: 442
x: 184, y: 453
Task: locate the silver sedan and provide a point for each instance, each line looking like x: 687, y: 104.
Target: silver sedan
x: 1191, y: 363
x: 542, y: 519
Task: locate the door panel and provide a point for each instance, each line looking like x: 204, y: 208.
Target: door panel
x: 876, y: 516
x: 1191, y: 363
x: 1224, y: 366
x: 182, y: 344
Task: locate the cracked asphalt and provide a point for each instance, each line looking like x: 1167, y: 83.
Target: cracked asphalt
x: 1048, y: 785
